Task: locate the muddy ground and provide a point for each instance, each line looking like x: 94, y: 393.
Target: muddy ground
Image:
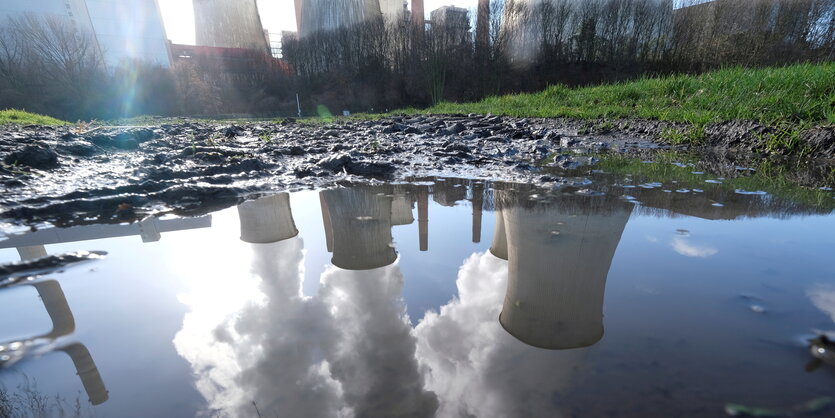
x: 71, y: 175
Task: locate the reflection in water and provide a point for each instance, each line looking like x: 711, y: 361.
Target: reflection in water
x: 372, y: 349
x: 347, y: 352
x: 267, y: 219
x: 350, y: 350
x: 475, y: 367
x: 361, y: 220
x: 63, y: 324
x: 32, y: 245
x: 559, y: 254
x: 258, y: 346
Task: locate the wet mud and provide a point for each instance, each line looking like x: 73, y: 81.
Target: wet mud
x: 77, y: 175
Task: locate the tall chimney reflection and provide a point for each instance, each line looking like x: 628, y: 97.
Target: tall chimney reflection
x: 559, y: 254
x: 423, y: 217
x: 478, y: 204
x: 361, y: 224
x: 267, y: 219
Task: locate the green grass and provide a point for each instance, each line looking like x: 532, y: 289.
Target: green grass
x: 25, y: 118
x: 797, y: 94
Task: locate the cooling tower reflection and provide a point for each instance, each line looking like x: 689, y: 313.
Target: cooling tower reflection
x: 347, y: 351
x: 361, y: 221
x: 559, y: 253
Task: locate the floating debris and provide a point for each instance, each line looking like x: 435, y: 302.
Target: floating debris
x: 713, y: 181
x: 757, y: 308
x: 749, y: 192
x: 823, y: 351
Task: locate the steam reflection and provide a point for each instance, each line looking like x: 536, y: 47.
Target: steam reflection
x: 350, y: 349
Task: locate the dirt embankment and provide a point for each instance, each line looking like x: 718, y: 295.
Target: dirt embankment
x: 65, y: 176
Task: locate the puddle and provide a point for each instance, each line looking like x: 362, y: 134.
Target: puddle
x: 432, y: 297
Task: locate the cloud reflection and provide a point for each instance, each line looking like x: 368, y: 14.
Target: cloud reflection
x: 683, y: 246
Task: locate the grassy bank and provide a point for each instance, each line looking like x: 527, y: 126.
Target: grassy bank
x: 25, y: 118
x: 798, y: 95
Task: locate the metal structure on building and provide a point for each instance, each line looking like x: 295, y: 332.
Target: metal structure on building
x: 122, y: 29
x: 229, y: 24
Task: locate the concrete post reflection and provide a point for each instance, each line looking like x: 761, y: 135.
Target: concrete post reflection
x: 559, y: 254
x: 87, y: 372
x: 63, y: 324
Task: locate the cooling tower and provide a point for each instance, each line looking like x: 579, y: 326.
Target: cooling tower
x: 267, y: 219
x: 121, y: 29
x: 559, y: 255
x: 361, y: 222
x: 392, y: 10
x: 329, y: 15
x: 229, y: 24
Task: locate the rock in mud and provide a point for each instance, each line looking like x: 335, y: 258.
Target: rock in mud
x: 34, y: 156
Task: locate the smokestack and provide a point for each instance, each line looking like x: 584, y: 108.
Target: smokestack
x: 483, y: 25
x: 298, y: 4
x: 559, y: 256
x: 418, y: 18
x: 267, y: 219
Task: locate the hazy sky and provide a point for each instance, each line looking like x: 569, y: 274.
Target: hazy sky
x: 276, y: 16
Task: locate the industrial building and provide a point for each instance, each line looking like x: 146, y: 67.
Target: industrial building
x: 229, y: 24
x: 454, y: 22
x: 121, y: 29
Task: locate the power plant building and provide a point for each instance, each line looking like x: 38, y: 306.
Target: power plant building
x: 121, y: 29
x: 229, y: 24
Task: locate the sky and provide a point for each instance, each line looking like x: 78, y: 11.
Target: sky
x: 276, y: 16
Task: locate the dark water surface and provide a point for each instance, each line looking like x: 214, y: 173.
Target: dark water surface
x: 442, y: 297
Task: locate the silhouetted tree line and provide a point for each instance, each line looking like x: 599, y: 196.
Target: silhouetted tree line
x: 529, y: 45
x: 379, y: 65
